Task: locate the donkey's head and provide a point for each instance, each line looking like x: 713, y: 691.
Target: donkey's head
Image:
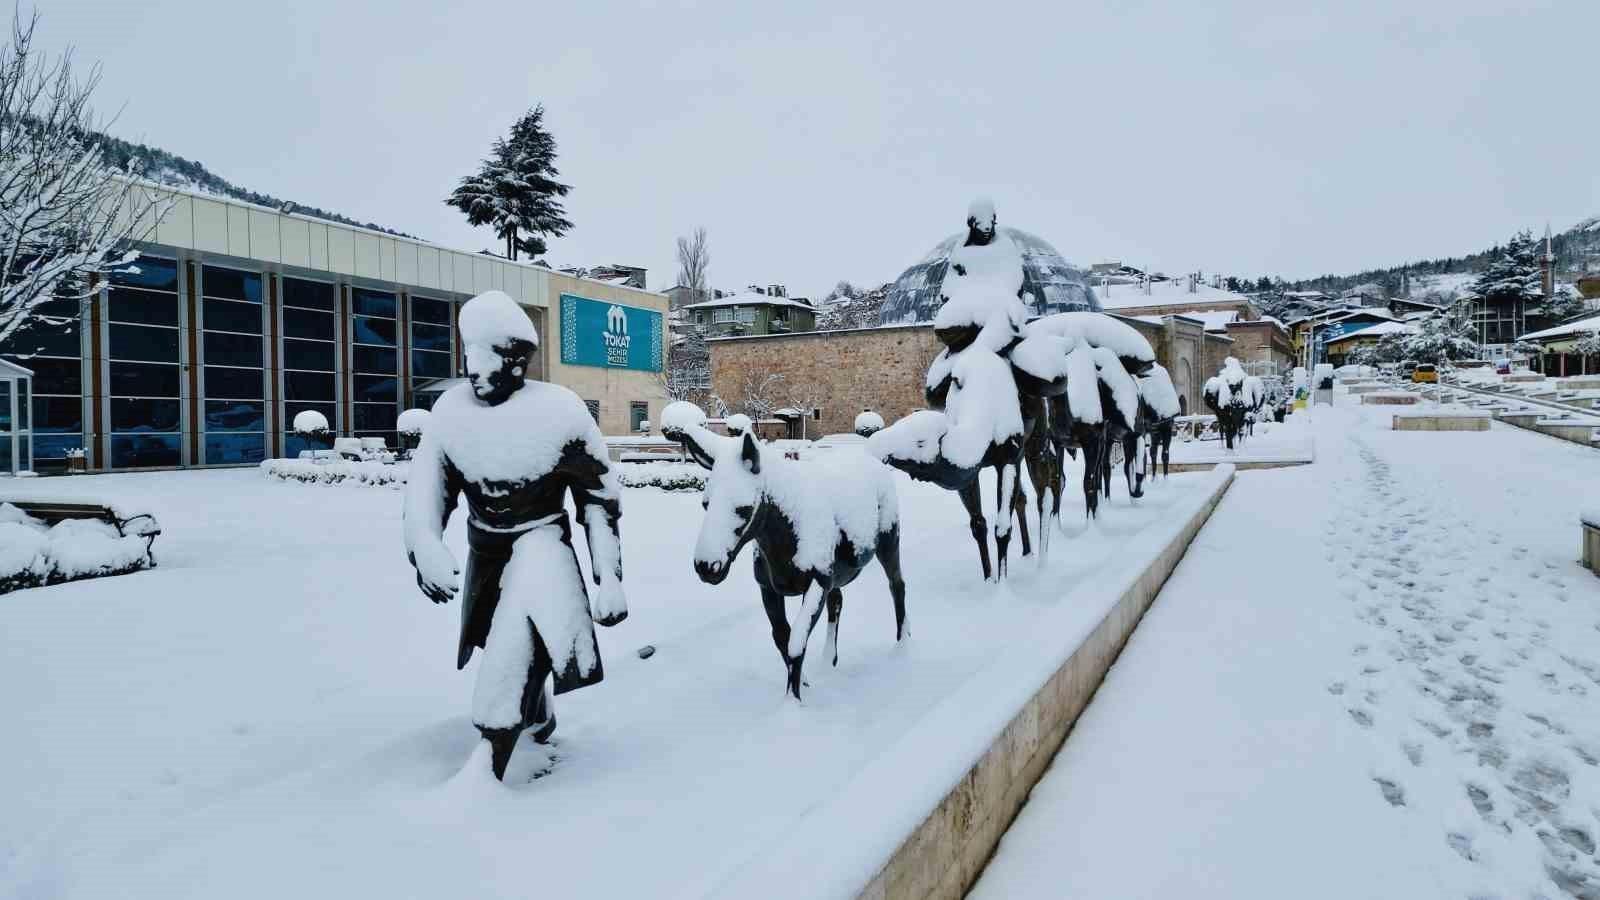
x: 734, y: 499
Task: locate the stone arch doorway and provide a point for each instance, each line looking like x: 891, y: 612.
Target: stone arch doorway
x: 1183, y: 381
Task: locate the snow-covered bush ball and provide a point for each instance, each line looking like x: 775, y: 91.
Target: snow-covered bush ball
x: 681, y: 414
x: 310, y: 423
x: 412, y: 422
x: 868, y: 423
x: 737, y: 424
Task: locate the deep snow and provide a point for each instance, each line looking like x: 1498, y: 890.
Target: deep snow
x: 274, y: 711
x: 1376, y: 676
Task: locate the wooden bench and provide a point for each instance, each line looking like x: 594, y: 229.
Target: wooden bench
x: 52, y: 511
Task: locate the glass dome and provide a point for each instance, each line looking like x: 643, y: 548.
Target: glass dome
x: 1050, y: 284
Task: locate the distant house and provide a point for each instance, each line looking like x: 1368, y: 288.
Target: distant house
x: 1340, y: 348
x: 627, y: 276
x: 752, y: 311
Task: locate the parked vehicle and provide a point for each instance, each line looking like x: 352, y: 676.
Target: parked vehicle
x: 1502, y: 366
x: 1425, y: 373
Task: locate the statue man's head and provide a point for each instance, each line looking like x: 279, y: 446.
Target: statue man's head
x: 499, y: 340
x: 980, y: 222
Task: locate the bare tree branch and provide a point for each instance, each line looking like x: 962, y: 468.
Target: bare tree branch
x: 694, y: 260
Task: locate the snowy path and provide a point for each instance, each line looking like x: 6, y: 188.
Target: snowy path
x: 275, y: 711
x: 1376, y: 676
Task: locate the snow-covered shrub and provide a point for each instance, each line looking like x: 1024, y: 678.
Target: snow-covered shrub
x: 366, y: 473
x: 411, y: 423
x: 868, y: 423
x: 668, y: 476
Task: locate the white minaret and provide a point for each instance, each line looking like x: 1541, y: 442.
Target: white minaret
x: 1549, y: 267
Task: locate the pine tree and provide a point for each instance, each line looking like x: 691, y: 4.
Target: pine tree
x: 515, y: 190
x: 1514, y: 274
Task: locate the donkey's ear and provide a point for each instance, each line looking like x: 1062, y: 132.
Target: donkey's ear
x: 750, y: 454
x: 697, y: 441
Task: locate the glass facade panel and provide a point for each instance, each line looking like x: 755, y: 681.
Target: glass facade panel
x: 374, y: 360
x: 366, y: 302
x: 5, y: 454
x: 235, y: 415
x: 50, y: 450
x: 57, y: 376
x: 222, y: 348
x: 23, y: 412
x: 314, y: 355
x: 142, y: 415
x: 149, y: 272
x: 426, y: 366
x: 143, y: 307
x: 24, y: 464
x: 142, y: 380
x: 304, y: 323
x: 224, y: 448
x: 367, y: 330
x: 308, y: 386
x: 376, y: 389
x: 45, y: 340
x: 57, y: 415
x: 425, y: 309
x: 233, y: 384
x: 372, y: 417
x: 310, y: 294
x: 5, y: 410
x: 137, y: 450
x: 430, y: 337
x: 231, y: 284
x: 138, y: 342
x: 296, y: 407
x: 231, y: 315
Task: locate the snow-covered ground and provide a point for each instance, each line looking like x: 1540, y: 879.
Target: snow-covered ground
x: 1274, y: 442
x: 1377, y: 676
x: 273, y: 711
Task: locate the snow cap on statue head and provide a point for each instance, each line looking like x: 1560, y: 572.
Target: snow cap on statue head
x: 980, y: 214
x: 493, y: 319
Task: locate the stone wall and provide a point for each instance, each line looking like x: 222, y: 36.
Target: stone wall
x: 1261, y: 341
x: 1217, y: 349
x: 847, y: 371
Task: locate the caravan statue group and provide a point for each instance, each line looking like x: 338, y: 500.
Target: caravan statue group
x: 1005, y: 393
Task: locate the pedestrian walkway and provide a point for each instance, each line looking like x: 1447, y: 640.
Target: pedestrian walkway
x: 1377, y: 676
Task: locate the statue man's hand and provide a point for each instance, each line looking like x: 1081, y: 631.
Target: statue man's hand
x: 609, y: 606
x: 436, y: 574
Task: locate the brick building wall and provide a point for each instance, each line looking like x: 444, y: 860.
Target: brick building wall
x: 1261, y: 341
x: 877, y: 368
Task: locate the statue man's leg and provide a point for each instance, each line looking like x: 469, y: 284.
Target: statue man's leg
x: 503, y: 674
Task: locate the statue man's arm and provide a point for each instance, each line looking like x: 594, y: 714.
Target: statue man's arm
x: 431, y: 490
x: 598, y: 498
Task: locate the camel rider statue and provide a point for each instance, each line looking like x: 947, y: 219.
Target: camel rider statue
x: 516, y: 448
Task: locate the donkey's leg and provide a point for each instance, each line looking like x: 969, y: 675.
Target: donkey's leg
x: 835, y: 605
x: 1019, y: 506
x: 800, y: 632
x: 972, y: 498
x: 889, y: 558
x: 772, y: 600
x: 1006, y: 485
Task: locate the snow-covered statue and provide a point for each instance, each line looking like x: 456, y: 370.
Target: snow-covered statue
x: 980, y: 296
x: 1225, y: 394
x: 868, y: 423
x: 738, y: 424
x: 816, y: 523
x: 516, y: 449
x: 1158, y: 407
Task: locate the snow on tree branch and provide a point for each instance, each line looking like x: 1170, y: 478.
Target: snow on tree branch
x: 65, y: 215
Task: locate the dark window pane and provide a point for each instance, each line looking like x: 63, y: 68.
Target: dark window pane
x: 132, y: 451
x: 372, y: 303
x: 293, y: 408
x: 244, y: 384
x: 374, y: 360
x: 232, y: 349
x: 311, y: 294
x: 144, y: 415
x: 5, y: 456
x: 307, y: 386
x: 430, y: 365
x: 136, y: 380
x: 373, y: 331
x: 235, y: 415
x: 5, y: 410
x: 161, y: 274
x: 141, y: 343
x: 315, y: 355
x: 47, y: 340
x: 143, y: 307
x: 304, y: 323
x: 391, y: 439
x: 425, y: 310
x: 376, y: 389
x: 232, y: 284
x: 374, y: 417
x: 55, y: 446
x: 24, y: 410
x: 293, y: 444
x: 231, y: 315
x: 55, y: 376
x: 222, y: 449
x: 58, y: 415
x: 430, y: 337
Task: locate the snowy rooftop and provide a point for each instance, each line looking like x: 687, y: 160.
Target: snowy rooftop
x: 1162, y: 293
x: 751, y: 298
x: 1581, y: 326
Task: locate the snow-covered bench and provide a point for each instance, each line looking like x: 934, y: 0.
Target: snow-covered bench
x: 50, y: 542
x: 1590, y: 520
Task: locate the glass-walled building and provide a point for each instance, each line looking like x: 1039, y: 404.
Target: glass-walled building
x: 235, y: 318
x: 16, y: 437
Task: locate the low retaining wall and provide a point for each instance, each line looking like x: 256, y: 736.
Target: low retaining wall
x: 1442, y: 422
x: 1390, y: 399
x: 1578, y: 433
x: 1523, y: 377
x: 1241, y: 465
x: 940, y: 853
x: 1520, y: 419
x: 1591, y: 545
x: 1365, y: 388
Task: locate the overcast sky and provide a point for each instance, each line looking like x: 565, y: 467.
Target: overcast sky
x: 820, y: 141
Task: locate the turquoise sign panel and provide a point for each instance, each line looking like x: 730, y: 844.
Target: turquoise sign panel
x: 610, y: 335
